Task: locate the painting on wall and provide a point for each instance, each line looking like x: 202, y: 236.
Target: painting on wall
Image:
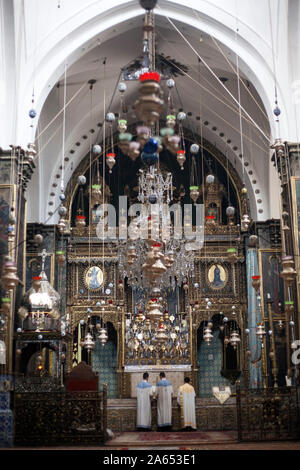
x: 272, y: 283
x: 217, y: 277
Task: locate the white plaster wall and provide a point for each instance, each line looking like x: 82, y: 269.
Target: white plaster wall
x: 35, y: 46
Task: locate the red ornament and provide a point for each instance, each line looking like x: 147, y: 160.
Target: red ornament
x: 80, y: 217
x: 255, y: 278
x: 36, y: 278
x: 210, y: 217
x: 180, y: 152
x: 153, y: 76
x: 111, y: 155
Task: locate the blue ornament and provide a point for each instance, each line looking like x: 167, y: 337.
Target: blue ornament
x: 152, y: 198
x: 149, y: 158
x: 277, y: 111
x: 62, y: 197
x: 32, y: 113
x: 81, y: 291
x: 151, y: 146
x: 10, y: 229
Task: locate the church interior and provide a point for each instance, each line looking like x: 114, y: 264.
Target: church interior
x: 149, y: 218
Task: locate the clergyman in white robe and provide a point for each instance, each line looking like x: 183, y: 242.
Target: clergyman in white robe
x: 164, y: 392
x: 186, y: 401
x: 144, y: 393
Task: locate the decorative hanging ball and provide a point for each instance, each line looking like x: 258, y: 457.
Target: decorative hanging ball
x: 225, y: 319
x: 97, y: 149
x: 292, y: 323
x: 170, y: 83
x: 62, y: 197
x: 277, y: 111
x: 194, y: 148
x: 149, y: 158
x: 210, y: 179
x: 62, y: 211
x: 110, y: 117
x: 81, y: 180
x: 38, y: 239
x: 181, y: 116
x: 122, y: 87
x: 247, y: 331
x: 151, y: 146
x: 32, y: 113
x: 230, y: 211
x: 40, y: 337
x: 244, y: 190
x: 19, y: 330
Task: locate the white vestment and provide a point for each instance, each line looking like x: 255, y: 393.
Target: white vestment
x: 143, y: 415
x: 164, y: 392
x: 186, y: 400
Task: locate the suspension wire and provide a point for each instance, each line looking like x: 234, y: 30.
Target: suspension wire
x: 239, y: 97
x: 64, y: 131
x: 196, y: 13
x: 215, y: 76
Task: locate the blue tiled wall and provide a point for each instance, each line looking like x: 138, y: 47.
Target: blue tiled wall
x: 209, y: 367
x: 104, y: 361
x: 6, y: 421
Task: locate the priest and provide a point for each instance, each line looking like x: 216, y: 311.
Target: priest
x: 144, y: 393
x: 186, y: 401
x: 164, y: 392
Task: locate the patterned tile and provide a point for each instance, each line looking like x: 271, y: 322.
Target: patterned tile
x: 6, y: 428
x: 4, y: 400
x: 210, y: 364
x: 104, y: 361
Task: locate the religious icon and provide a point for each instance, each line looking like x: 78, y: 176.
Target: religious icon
x: 217, y: 277
x: 94, y: 278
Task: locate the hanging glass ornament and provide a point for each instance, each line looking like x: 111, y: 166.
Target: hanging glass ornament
x: 32, y: 113
x: 133, y: 151
x: 194, y: 193
x: 62, y: 211
x: 245, y: 223
x: 230, y: 211
x: 80, y: 221
x: 149, y: 158
x: 81, y: 180
x: 207, y: 335
x: 171, y: 121
x: 181, y: 158
x: 256, y: 283
x: 122, y: 125
x: 9, y: 279
x: 260, y: 331
x: 31, y: 153
x: 232, y: 255
x: 170, y: 83
x: 60, y: 258
x: 210, y: 179
x: 122, y: 87
x: 181, y: 116
x: 110, y: 117
x: 194, y: 149
x: 97, y: 149
x: 103, y: 336
x: 110, y: 161
x: 288, y: 272
x: 234, y: 339
x: 38, y: 239
x: 143, y: 134
x: 124, y: 140
x: 96, y: 194
x: 5, y: 305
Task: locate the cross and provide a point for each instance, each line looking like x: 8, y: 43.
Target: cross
x: 44, y: 255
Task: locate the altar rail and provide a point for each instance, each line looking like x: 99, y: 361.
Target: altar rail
x: 60, y: 418
x: 268, y: 414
